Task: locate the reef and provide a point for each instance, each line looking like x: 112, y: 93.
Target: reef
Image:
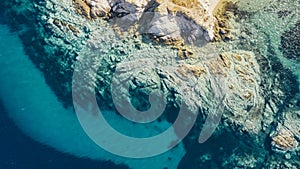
x: 290, y: 45
x: 223, y: 62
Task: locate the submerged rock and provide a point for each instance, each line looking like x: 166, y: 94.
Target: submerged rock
x: 283, y: 140
x: 234, y: 76
x: 290, y: 44
x: 287, y: 135
x: 211, y: 78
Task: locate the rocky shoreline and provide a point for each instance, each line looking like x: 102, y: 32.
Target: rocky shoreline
x: 260, y: 107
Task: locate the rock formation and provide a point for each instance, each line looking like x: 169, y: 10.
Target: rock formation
x: 208, y: 76
x: 290, y: 45
x: 172, y: 21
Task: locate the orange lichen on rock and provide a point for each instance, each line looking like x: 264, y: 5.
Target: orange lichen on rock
x: 217, y: 68
x: 247, y: 95
x: 92, y: 9
x: 193, y: 9
x: 223, y: 13
x: 240, y: 70
x: 183, y: 53
x: 63, y: 26
x: 237, y: 57
x: 82, y: 8
x: 73, y: 29
x: 225, y: 60
x: 196, y: 70
x: 186, y: 3
x: 284, y: 140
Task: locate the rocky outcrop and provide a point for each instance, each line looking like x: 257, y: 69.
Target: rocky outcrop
x: 92, y: 8
x: 287, y: 135
x: 234, y: 76
x: 190, y: 22
x: 225, y: 15
x: 238, y: 82
x: 175, y: 22
x: 284, y: 140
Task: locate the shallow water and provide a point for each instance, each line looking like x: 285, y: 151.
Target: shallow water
x: 18, y: 151
x: 26, y: 98
x: 41, y: 116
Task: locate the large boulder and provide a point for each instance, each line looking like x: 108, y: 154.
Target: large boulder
x: 168, y: 21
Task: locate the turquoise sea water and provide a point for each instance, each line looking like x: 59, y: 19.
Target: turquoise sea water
x: 17, y: 150
x: 35, y: 109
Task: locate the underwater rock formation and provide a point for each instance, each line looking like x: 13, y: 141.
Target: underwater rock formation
x: 45, y: 119
x: 287, y: 135
x: 234, y: 78
x: 290, y: 44
x: 284, y: 140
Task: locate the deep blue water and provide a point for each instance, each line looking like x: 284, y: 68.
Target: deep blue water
x: 27, y: 97
x: 18, y: 151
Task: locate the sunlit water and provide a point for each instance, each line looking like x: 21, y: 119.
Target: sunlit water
x: 35, y: 109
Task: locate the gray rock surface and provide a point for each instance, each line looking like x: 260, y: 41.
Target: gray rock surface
x: 168, y: 21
